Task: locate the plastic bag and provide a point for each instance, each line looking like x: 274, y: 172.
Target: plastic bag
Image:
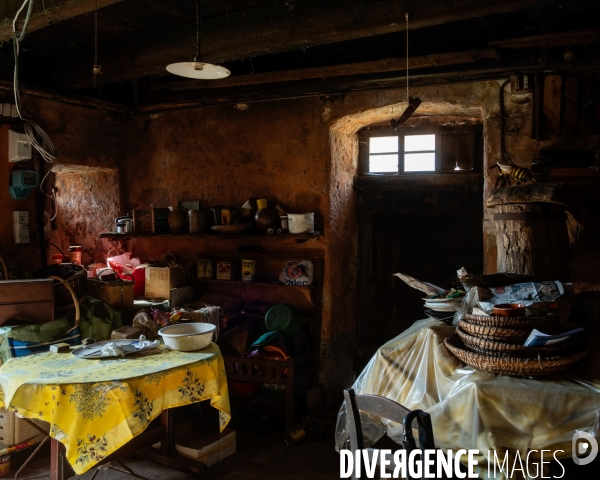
x: 297, y: 272
x: 122, y: 263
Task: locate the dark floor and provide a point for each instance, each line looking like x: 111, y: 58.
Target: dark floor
x: 258, y: 457
x: 266, y: 457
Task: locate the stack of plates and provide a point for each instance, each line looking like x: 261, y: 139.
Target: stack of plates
x: 443, y: 304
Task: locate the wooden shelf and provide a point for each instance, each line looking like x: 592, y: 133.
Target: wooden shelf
x: 252, y: 284
x: 298, y: 237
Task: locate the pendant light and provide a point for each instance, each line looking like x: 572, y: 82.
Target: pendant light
x: 413, y: 103
x: 198, y: 69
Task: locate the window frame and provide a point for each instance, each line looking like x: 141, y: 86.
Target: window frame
x: 365, y: 134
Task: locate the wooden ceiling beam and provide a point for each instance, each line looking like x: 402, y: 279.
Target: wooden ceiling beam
x: 53, y: 13
x: 557, y: 39
x: 359, y: 68
x: 167, y: 101
x: 268, y: 29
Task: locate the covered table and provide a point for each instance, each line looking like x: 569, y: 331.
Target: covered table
x: 473, y: 409
x: 96, y: 406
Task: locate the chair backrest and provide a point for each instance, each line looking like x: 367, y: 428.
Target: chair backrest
x: 380, y: 406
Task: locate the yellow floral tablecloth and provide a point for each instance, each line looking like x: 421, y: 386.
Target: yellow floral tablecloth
x: 96, y: 406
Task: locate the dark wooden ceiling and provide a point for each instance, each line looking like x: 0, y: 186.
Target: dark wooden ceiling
x: 278, y: 49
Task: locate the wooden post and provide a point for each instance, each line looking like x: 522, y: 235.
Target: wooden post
x: 533, y: 239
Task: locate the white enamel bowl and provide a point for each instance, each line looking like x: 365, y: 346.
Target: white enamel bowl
x: 187, y: 337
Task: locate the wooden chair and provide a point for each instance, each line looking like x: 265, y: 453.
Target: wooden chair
x: 386, y: 408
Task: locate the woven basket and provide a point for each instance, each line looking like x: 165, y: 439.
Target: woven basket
x: 496, y: 334
x: 517, y: 367
x: 513, y: 322
x: 76, y: 277
x: 501, y: 349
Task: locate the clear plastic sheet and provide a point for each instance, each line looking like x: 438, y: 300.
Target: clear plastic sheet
x: 473, y: 409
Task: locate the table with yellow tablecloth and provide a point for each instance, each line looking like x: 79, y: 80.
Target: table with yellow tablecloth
x: 96, y: 406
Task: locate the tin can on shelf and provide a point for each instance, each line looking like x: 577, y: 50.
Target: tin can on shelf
x: 75, y: 254
x: 224, y: 271
x: 284, y: 223
x: 261, y: 203
x: 205, y: 268
x: 248, y: 270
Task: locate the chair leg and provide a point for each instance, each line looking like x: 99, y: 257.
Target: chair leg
x: 122, y: 467
x: 31, y: 457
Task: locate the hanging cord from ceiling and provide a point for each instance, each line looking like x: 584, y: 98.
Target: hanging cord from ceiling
x: 198, y: 57
x: 97, y: 70
x: 36, y: 135
x: 413, y: 103
x: 407, y: 95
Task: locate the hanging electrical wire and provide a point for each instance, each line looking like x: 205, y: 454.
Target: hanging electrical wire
x: 97, y: 70
x: 413, y: 103
x: 36, y: 135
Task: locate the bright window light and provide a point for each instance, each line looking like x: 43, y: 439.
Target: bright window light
x: 383, y: 154
x: 419, y: 143
x: 383, y: 145
x: 419, y: 162
x: 419, y: 153
x: 383, y: 163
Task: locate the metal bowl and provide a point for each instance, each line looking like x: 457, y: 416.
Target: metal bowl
x: 187, y: 337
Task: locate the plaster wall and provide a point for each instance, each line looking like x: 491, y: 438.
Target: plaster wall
x: 300, y: 152
x: 90, y: 144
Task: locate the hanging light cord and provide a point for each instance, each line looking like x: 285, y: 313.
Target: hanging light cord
x: 97, y: 70
x: 37, y: 137
x: 198, y: 58
x: 407, y: 96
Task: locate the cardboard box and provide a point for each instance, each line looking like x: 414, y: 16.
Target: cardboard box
x: 160, y: 281
x: 116, y: 294
x: 15, y: 430
x: 30, y: 301
x: 208, y: 449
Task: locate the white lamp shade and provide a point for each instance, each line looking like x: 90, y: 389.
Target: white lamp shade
x: 199, y: 70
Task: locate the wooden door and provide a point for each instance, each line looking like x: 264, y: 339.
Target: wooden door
x: 423, y: 229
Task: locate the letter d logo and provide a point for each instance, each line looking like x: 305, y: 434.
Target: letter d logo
x: 587, y: 446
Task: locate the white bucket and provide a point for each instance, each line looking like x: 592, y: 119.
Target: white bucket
x: 301, y: 222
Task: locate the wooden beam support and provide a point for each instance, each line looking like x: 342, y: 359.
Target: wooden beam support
x: 267, y: 29
x: 359, y: 68
x: 55, y: 12
x: 79, y: 100
x: 558, y: 39
x: 174, y: 100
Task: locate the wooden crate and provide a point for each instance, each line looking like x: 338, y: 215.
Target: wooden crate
x: 30, y: 301
x: 116, y: 294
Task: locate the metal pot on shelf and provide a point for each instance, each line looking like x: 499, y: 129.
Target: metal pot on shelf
x: 124, y: 224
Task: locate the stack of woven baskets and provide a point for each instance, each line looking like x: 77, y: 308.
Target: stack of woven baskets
x: 496, y: 344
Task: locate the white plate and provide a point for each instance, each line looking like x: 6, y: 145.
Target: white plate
x: 441, y: 308
x: 94, y: 351
x: 443, y: 300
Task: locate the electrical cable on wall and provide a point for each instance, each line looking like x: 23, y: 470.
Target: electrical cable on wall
x: 36, y: 135
x: 97, y: 70
x: 51, y: 197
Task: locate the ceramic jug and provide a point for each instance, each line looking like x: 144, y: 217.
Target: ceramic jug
x: 178, y: 217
